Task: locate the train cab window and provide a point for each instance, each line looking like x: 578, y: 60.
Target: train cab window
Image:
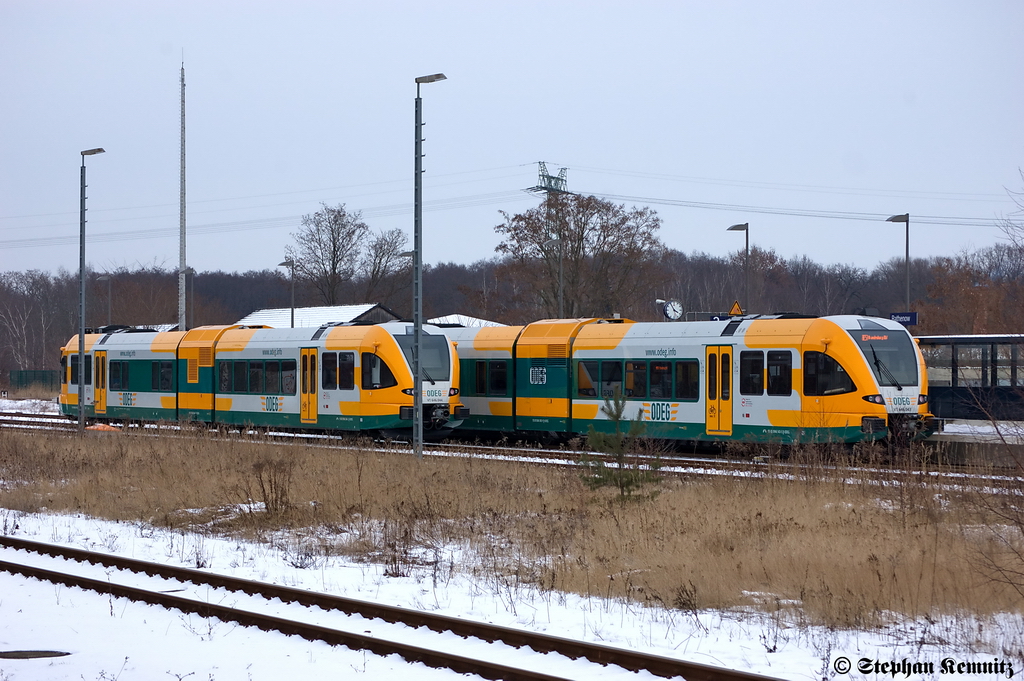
x: 587, y: 379
x: 240, y: 383
x: 272, y: 374
x: 636, y: 379
x: 329, y: 366
x: 376, y: 373
x: 346, y: 371
x: 780, y: 372
x: 751, y: 372
x: 825, y: 376
x: 74, y: 369
x: 687, y: 379
x: 63, y: 369
x: 661, y: 380
x: 288, y: 377
x: 498, y: 383
x: 224, y: 377
x: 611, y: 379
x: 256, y: 376
x: 163, y: 376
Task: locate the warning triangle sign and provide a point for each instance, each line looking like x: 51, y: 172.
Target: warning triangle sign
x: 736, y: 310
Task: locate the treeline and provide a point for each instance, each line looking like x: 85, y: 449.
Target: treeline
x: 582, y: 255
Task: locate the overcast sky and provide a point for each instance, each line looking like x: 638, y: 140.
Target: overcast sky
x: 812, y: 121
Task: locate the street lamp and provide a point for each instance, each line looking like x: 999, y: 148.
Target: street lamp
x: 906, y: 261
x: 745, y: 228
x: 417, y: 271
x: 107, y: 278
x: 81, y: 300
x: 552, y: 242
x: 291, y: 264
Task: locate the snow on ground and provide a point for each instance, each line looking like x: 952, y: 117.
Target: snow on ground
x: 111, y: 638
x: 30, y: 406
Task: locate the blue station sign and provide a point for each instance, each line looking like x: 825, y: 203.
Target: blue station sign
x: 904, y: 318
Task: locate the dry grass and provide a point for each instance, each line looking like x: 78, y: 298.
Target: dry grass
x: 823, y: 550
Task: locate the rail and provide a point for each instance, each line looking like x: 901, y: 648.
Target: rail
x: 604, y: 655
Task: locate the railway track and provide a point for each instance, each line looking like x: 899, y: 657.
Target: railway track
x: 500, y: 663
x: 678, y: 465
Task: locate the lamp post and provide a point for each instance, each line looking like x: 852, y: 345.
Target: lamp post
x: 417, y: 271
x: 552, y: 242
x: 107, y: 278
x: 81, y: 300
x: 906, y: 260
x: 289, y: 263
x: 745, y: 228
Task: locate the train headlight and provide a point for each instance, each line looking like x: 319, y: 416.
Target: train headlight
x: 922, y: 399
x: 409, y: 391
x: 452, y: 392
x: 875, y: 399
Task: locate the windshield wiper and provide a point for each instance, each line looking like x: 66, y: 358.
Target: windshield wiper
x: 880, y: 365
x: 424, y: 370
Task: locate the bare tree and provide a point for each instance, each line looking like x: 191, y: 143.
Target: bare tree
x: 383, y: 269
x: 327, y: 248
x: 605, y: 252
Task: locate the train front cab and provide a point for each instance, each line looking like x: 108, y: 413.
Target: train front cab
x: 858, y: 379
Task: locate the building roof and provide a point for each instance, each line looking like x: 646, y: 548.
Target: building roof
x: 314, y: 317
x: 462, y: 320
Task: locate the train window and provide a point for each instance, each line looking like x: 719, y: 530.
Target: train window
x: 115, y: 375
x: 163, y: 376
x: 780, y: 372
x: 305, y: 374
x: 687, y: 379
x: 240, y: 384
x: 498, y: 384
x: 256, y: 376
x: 312, y: 373
x: 712, y: 377
x: 74, y: 369
x: 661, y: 380
x: 726, y: 374
x: 636, y: 379
x: 1006, y: 363
x: 272, y: 374
x: 224, y: 384
x: 288, y: 377
x: 586, y: 379
x: 481, y: 377
x: 329, y: 366
x: 346, y: 371
x: 825, y: 376
x: 611, y: 379
x: 376, y: 373
x: 751, y: 372
x: 63, y: 369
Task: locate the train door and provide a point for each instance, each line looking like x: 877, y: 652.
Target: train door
x: 718, y: 389
x: 308, y: 386
x: 100, y: 385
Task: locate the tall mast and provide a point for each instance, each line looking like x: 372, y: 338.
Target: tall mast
x: 181, y: 215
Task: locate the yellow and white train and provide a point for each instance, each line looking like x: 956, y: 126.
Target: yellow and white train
x: 333, y: 378
x: 762, y: 378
